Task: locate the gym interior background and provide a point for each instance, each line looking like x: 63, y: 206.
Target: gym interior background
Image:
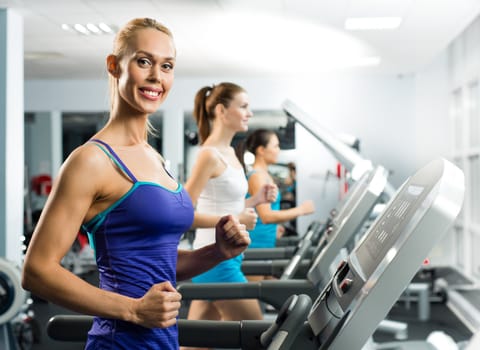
x: 412, y: 95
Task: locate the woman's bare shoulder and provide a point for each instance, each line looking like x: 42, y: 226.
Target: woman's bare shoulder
x: 208, y: 156
x: 84, y: 161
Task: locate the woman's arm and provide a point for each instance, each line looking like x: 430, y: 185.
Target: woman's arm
x: 267, y: 193
x: 265, y: 212
x: 207, y: 166
x: 64, y: 212
x: 55, y: 233
x: 202, y: 171
x: 201, y: 220
x: 231, y: 239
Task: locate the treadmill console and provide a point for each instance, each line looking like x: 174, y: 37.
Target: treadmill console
x: 370, y: 280
x: 352, y: 215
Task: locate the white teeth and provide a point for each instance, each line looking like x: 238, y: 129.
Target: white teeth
x: 151, y: 93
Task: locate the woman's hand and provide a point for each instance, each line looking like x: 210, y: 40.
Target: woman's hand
x: 268, y: 193
x: 307, y: 207
x: 231, y: 237
x: 248, y: 217
x: 158, y: 307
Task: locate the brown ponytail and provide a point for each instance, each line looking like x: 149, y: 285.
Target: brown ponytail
x: 259, y: 137
x: 201, y: 114
x: 206, y: 99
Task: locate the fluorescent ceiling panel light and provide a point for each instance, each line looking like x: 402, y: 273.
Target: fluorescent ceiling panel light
x: 81, y: 28
x: 105, y: 28
x: 93, y: 28
x: 373, y: 23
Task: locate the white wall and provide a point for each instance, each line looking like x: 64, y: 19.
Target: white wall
x: 464, y: 96
x: 433, y: 135
x: 431, y: 111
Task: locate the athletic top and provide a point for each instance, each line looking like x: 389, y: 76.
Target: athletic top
x: 222, y: 195
x: 264, y: 235
x: 135, y: 242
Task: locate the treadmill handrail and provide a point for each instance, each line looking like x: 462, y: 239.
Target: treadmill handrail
x: 346, y: 155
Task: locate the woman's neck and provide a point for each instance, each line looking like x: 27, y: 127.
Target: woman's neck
x: 125, y: 130
x: 260, y: 164
x: 219, y: 139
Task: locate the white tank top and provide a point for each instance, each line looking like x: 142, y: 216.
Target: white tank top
x: 222, y: 195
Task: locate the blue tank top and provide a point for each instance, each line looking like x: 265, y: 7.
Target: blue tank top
x: 264, y: 235
x: 135, y: 242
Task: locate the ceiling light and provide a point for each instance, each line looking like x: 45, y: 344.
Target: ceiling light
x: 105, y: 28
x: 373, y: 23
x: 89, y: 28
x: 81, y: 29
x: 93, y: 28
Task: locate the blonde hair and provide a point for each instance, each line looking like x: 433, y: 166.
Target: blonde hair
x: 120, y: 48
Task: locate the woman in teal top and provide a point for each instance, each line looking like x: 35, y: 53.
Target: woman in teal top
x: 265, y: 146
x: 264, y: 235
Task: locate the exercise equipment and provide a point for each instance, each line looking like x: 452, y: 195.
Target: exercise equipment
x: 12, y: 299
x: 342, y: 226
x: 351, y: 215
x: 367, y: 189
x: 365, y: 285
x: 370, y: 280
x: 346, y: 155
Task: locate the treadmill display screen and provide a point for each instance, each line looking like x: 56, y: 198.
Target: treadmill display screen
x: 389, y: 227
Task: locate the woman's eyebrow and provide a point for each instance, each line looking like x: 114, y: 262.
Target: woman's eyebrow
x: 146, y: 53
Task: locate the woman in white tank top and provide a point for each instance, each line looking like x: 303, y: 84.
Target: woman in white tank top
x: 218, y: 186
x: 222, y: 195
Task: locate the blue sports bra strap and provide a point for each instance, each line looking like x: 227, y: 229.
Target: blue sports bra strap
x: 119, y: 162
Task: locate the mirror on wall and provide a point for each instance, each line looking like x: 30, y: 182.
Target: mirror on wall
x: 77, y: 128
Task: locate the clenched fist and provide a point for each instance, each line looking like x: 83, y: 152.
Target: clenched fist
x: 231, y: 237
x: 158, y: 307
x: 248, y: 217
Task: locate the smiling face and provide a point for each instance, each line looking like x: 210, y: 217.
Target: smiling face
x: 238, y: 113
x: 145, y: 73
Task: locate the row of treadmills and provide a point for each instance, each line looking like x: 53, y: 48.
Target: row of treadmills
x: 326, y: 300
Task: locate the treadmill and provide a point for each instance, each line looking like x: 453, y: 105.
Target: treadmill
x: 349, y: 157
x: 298, y: 274
x: 358, y: 166
x: 317, y: 230
x: 360, y: 293
x: 356, y: 209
